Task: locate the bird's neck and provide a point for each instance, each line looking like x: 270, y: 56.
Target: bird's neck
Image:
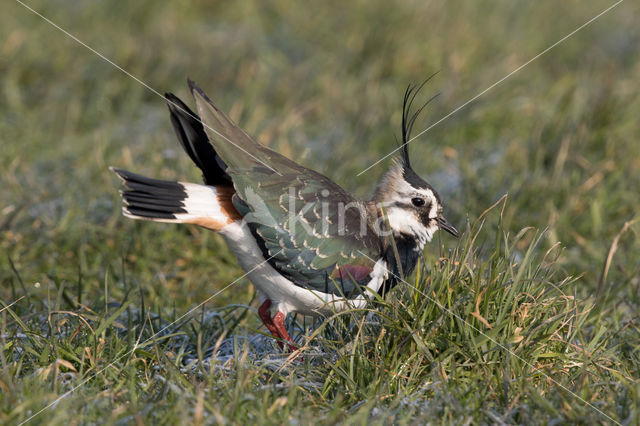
x: 401, y: 248
x: 401, y: 258
x: 408, y: 250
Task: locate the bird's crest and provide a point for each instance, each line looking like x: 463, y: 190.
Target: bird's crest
x: 409, y: 118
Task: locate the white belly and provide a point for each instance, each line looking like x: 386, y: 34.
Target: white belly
x: 285, y: 296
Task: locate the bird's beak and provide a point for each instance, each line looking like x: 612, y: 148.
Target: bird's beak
x: 443, y: 223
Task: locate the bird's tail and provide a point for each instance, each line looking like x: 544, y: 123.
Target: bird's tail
x: 176, y: 202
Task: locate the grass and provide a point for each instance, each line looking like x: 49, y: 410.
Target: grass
x: 531, y: 317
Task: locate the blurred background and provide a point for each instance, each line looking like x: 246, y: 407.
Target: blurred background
x: 322, y: 83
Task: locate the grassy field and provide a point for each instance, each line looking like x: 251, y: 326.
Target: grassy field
x: 530, y: 317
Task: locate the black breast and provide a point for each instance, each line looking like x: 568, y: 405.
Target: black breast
x: 408, y: 254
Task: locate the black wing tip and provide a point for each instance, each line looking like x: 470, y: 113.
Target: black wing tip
x: 196, y: 91
x: 193, y: 86
x: 172, y: 99
x: 178, y: 107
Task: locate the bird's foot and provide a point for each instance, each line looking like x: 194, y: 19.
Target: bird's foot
x: 276, y: 326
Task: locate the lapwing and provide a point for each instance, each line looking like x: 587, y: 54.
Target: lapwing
x: 306, y: 244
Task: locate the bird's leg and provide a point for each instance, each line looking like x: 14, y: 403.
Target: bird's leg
x: 276, y: 325
x: 278, y: 322
x: 265, y: 316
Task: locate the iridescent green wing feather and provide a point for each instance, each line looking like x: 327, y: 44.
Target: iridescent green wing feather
x: 312, y: 231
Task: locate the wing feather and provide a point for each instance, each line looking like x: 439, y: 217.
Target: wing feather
x: 293, y: 211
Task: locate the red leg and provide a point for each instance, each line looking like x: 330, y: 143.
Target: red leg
x: 265, y: 316
x: 278, y: 322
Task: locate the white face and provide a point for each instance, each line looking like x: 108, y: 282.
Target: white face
x: 411, y: 205
x: 413, y: 211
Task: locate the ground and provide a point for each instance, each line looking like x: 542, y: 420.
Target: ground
x: 530, y: 317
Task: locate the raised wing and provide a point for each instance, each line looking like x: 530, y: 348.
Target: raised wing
x: 310, y: 229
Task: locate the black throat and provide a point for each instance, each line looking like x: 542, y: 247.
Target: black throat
x: 408, y: 254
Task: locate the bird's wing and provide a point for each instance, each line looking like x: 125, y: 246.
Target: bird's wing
x: 313, y: 231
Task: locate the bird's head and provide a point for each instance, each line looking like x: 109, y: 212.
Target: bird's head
x: 412, y: 207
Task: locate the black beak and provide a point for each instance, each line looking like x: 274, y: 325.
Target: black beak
x: 444, y: 224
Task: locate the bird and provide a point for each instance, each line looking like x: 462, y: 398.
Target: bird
x: 306, y: 244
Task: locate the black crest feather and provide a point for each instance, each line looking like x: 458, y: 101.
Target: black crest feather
x: 409, y: 118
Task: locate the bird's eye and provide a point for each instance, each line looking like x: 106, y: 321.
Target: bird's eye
x: 417, y: 201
